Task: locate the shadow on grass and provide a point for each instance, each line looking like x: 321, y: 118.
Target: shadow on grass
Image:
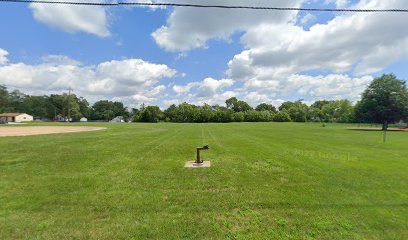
x: 325, y: 205
x: 379, y: 129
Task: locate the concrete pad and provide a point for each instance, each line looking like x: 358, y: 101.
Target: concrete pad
x: 193, y: 164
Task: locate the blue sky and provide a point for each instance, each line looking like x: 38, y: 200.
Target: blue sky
x: 172, y: 55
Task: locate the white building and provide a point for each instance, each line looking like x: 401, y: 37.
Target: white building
x: 118, y: 119
x: 15, y: 117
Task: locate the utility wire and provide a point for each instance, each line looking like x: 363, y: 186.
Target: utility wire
x: 149, y: 4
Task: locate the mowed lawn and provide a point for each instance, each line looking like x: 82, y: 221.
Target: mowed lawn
x: 267, y: 181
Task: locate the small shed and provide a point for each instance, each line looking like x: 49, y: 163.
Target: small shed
x: 118, y: 119
x: 15, y: 117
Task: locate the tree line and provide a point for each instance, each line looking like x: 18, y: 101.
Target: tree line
x: 56, y: 107
x: 384, y: 101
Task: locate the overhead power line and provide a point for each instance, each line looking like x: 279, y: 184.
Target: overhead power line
x: 149, y: 4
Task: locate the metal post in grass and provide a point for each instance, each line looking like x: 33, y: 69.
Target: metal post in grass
x: 199, y: 163
x: 198, y: 160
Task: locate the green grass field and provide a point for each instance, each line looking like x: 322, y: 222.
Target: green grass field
x: 267, y: 181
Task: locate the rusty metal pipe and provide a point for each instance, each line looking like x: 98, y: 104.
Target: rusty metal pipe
x: 198, y: 160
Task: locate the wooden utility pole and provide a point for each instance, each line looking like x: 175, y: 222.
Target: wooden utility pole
x: 69, y: 103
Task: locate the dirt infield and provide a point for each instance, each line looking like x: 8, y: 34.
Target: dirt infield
x: 41, y: 130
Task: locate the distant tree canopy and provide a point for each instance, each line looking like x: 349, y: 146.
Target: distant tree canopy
x: 298, y: 111
x: 265, y: 107
x: 55, y: 106
x: 107, y: 110
x: 150, y: 114
x: 384, y: 101
x: 237, y: 105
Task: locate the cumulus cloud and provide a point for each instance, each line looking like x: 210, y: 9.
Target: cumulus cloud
x: 217, y: 99
x: 332, y: 86
x: 328, y: 87
x: 189, y: 28
x: 363, y: 44
x: 149, y: 96
x: 307, y: 19
x: 132, y: 72
x: 129, y: 79
x: 3, y: 56
x: 184, y: 89
x: 209, y: 90
x: 339, y: 3
x: 73, y: 18
x: 210, y: 87
x: 59, y: 60
x: 349, y: 48
x: 256, y: 98
x: 206, y: 88
x: 277, y: 52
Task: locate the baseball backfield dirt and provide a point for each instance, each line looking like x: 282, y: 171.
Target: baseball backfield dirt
x: 41, y: 130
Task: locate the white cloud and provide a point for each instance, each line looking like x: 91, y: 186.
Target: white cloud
x: 168, y: 102
x: 307, y: 19
x: 73, y: 18
x: 339, y: 3
x: 149, y: 96
x: 59, y: 60
x: 206, y: 88
x: 210, y: 87
x: 332, y: 86
x: 273, y: 65
x: 277, y: 52
x: 184, y: 89
x: 362, y: 43
x: 256, y: 98
x: 296, y: 86
x: 218, y: 98
x: 130, y: 79
x: 3, y: 56
x: 210, y: 91
x: 132, y: 72
x: 189, y: 28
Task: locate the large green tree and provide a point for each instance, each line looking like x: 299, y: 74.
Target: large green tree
x: 206, y: 113
x: 16, y: 100
x: 150, y: 114
x: 84, y: 107
x: 4, y: 99
x: 338, y: 111
x: 37, y: 106
x: 384, y: 101
x: 187, y: 113
x: 107, y: 110
x: 265, y: 107
x: 298, y: 111
x: 237, y: 105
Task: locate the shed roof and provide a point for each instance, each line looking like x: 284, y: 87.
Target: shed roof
x: 11, y: 114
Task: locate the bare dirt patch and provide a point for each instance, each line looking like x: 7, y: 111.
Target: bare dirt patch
x: 41, y: 130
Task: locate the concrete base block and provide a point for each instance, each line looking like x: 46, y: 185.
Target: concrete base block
x: 193, y: 164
